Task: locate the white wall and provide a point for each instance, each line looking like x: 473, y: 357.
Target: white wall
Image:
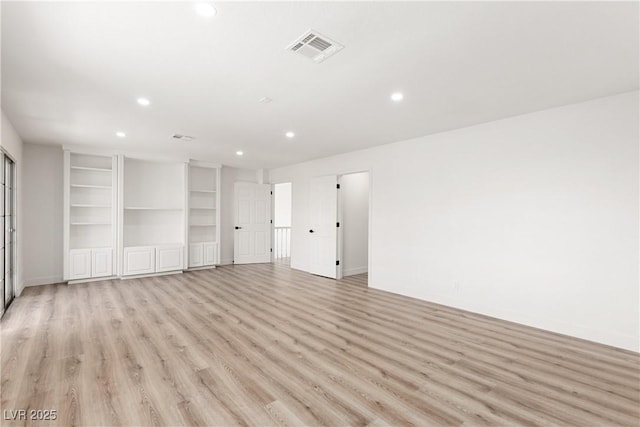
x: 354, y: 199
x: 229, y: 177
x: 533, y: 218
x: 282, y: 205
x: 43, y: 213
x: 11, y: 143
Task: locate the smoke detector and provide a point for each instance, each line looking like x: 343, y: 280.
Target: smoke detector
x: 182, y: 137
x: 315, y: 46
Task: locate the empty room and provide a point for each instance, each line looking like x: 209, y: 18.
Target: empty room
x: 320, y: 213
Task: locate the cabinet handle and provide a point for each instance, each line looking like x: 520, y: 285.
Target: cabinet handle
x: 238, y: 228
x: 311, y: 231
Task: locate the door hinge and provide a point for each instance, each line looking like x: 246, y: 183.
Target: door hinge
x: 337, y: 224
x: 338, y: 186
x: 337, y: 262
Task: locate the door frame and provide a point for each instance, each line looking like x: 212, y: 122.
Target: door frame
x: 14, y: 252
x: 340, y: 238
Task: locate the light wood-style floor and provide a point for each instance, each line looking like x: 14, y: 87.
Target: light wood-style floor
x: 267, y: 345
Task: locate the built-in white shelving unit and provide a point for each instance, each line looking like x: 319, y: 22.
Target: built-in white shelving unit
x: 152, y: 218
x: 125, y: 216
x: 89, y: 215
x: 203, y: 228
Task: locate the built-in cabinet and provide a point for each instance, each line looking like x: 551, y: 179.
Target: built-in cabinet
x: 204, y: 214
x: 140, y: 260
x: 90, y: 263
x: 203, y: 254
x: 152, y: 259
x: 126, y: 216
x: 89, y: 215
x: 153, y: 216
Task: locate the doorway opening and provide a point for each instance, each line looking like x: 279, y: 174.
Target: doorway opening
x: 282, y: 223
x: 7, y: 209
x: 353, y: 233
x: 339, y: 226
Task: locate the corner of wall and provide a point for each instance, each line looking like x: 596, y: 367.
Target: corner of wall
x: 12, y: 144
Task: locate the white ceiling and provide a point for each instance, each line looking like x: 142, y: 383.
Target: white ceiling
x: 71, y: 71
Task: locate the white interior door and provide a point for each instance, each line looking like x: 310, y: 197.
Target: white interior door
x: 252, y: 236
x: 323, y: 233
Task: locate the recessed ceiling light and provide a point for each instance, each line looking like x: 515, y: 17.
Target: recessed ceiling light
x: 143, y: 101
x: 239, y: 153
x: 205, y: 9
x: 290, y: 134
x: 120, y: 134
x: 397, y: 96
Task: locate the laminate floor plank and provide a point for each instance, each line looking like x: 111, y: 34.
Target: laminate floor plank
x: 268, y: 345
x: 255, y: 344
x: 306, y: 334
x: 295, y: 355
x: 499, y: 359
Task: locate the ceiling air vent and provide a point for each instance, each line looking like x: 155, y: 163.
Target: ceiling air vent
x: 181, y: 137
x: 315, y: 46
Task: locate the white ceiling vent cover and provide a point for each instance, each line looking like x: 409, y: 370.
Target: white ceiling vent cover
x: 315, y: 46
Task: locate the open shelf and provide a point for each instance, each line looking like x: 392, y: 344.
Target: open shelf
x: 90, y: 186
x: 91, y: 162
x: 85, y: 235
x: 87, y: 168
x: 202, y: 200
x: 149, y: 208
x: 151, y: 242
x: 88, y: 246
x: 90, y: 177
x: 203, y: 215
x: 90, y: 196
x: 90, y: 216
x: 81, y: 205
x: 153, y: 203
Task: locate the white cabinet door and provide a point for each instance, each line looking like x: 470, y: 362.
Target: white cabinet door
x: 101, y: 262
x: 139, y: 260
x: 79, y: 264
x: 169, y: 258
x: 210, y: 253
x: 195, y: 255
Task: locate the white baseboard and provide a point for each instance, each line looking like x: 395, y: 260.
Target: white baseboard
x: 140, y: 276
x: 353, y: 271
x: 556, y: 325
x: 227, y: 261
x: 93, y: 279
x: 41, y: 281
x: 205, y: 267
